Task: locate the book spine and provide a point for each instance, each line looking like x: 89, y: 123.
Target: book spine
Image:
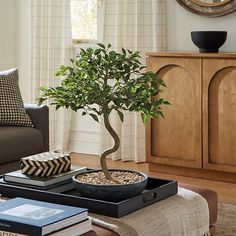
x: 20, y: 228
x: 5, y: 233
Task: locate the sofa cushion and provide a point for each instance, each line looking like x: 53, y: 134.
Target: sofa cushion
x: 17, y: 142
x: 12, y: 110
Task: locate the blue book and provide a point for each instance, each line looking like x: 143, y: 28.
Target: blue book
x: 37, y: 218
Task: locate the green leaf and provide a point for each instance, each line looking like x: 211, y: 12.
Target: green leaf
x: 40, y: 101
x: 166, y: 102
x: 94, y: 117
x: 95, y: 110
x: 110, y: 80
x: 144, y: 118
x: 101, y: 45
x: 121, y: 115
x: 97, y: 51
x: 161, y: 114
x: 129, y: 51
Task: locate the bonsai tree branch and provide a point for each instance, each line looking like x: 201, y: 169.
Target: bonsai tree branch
x: 110, y: 150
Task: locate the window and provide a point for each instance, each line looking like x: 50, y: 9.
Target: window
x: 84, y: 16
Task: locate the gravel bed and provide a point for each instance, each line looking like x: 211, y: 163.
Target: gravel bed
x: 120, y: 177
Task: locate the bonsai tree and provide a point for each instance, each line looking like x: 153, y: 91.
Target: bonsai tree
x: 113, y: 81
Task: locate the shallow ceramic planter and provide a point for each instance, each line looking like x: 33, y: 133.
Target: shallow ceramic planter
x: 110, y: 192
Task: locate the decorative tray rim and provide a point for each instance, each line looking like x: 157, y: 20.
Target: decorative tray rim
x: 116, y: 209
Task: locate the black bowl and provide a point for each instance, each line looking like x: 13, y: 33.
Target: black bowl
x: 111, y: 193
x: 208, y: 41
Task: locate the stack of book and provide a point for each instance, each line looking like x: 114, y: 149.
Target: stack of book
x: 25, y: 217
x: 57, y: 183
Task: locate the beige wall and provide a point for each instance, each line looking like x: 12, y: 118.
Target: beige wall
x: 181, y: 22
x: 22, y: 47
x: 8, y: 34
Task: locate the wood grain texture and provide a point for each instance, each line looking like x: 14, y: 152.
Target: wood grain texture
x: 176, y: 139
x: 193, y: 172
x: 208, y: 3
x: 205, y: 82
x: 219, y: 115
x: 209, y: 10
x: 174, y: 54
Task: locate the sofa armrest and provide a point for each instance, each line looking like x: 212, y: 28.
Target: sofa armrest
x: 40, y: 119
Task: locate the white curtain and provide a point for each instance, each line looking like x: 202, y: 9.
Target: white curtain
x: 50, y: 46
x: 136, y: 25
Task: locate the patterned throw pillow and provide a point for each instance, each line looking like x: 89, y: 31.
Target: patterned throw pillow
x: 12, y: 112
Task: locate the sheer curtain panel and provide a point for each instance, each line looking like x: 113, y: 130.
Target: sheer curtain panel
x: 50, y: 46
x: 137, y: 25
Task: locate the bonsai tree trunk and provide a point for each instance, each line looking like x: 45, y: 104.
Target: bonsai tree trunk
x: 110, y: 150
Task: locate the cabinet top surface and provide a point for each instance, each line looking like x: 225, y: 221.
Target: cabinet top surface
x: 192, y: 54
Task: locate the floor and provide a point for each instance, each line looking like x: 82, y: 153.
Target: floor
x: 226, y: 191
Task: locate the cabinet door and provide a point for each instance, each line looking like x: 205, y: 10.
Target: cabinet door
x: 219, y: 114
x: 176, y: 139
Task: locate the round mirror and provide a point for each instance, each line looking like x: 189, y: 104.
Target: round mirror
x: 210, y: 8
x: 210, y: 2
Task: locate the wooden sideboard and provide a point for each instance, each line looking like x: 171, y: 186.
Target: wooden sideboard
x: 198, y: 135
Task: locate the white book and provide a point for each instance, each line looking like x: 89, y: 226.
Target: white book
x: 75, y: 230
x: 18, y: 177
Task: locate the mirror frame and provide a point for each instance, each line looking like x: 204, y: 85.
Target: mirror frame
x: 209, y: 9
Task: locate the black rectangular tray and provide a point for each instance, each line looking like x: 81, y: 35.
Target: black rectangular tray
x: 156, y: 190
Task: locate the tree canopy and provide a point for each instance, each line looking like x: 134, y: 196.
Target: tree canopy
x: 112, y: 80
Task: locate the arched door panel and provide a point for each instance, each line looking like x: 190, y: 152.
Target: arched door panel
x: 176, y: 139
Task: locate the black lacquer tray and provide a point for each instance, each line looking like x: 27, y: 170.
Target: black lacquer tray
x: 156, y: 190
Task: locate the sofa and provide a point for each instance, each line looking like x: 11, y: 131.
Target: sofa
x: 17, y: 142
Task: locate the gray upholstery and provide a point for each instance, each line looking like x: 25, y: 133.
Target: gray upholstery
x: 40, y: 118
x: 17, y: 142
